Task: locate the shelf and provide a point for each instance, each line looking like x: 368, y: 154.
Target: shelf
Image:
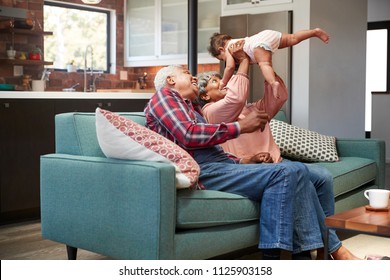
x: 24, y: 62
x: 25, y: 31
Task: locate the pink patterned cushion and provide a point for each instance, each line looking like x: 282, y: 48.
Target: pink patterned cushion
x: 123, y: 138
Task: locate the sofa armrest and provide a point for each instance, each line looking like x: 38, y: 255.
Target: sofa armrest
x: 374, y: 149
x: 118, y: 208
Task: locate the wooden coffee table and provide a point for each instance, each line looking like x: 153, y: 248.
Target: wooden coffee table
x: 359, y: 220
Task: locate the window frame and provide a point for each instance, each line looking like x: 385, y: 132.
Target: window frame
x: 111, y: 26
x: 383, y: 25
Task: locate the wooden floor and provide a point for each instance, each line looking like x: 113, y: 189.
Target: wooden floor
x: 23, y: 241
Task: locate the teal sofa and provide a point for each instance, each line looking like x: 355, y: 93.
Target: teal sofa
x: 132, y: 210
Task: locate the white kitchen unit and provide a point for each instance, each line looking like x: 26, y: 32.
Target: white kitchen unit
x: 156, y: 31
x: 232, y: 6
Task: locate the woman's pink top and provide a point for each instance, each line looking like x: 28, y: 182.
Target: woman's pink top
x: 234, y: 107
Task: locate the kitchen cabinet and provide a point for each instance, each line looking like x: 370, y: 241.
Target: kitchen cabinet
x: 27, y: 132
x: 156, y: 31
x: 244, y: 4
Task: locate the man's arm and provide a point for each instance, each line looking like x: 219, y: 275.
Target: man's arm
x: 170, y: 115
x: 253, y: 121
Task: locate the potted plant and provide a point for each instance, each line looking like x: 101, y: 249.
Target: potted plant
x: 35, y: 54
x: 71, y: 67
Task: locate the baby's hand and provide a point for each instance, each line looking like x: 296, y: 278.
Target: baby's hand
x: 222, y: 85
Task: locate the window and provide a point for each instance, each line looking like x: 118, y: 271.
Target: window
x: 377, y: 63
x: 75, y: 28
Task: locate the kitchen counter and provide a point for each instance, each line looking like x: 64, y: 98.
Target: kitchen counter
x: 73, y: 95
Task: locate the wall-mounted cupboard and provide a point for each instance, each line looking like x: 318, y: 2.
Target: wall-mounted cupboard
x: 156, y: 31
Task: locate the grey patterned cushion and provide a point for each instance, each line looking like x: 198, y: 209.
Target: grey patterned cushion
x: 302, y: 144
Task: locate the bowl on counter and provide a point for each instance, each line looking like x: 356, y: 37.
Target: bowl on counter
x: 69, y: 89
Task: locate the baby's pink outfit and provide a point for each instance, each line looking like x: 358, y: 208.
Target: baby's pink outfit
x: 267, y: 39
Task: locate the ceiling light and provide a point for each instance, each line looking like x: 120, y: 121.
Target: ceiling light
x: 91, y: 2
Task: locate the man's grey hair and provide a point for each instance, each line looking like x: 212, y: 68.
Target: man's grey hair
x: 204, y: 78
x: 160, y: 80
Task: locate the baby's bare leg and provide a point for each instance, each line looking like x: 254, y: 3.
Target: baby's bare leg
x: 264, y: 60
x: 289, y: 40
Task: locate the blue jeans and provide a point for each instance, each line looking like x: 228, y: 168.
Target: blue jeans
x: 322, y: 180
x: 290, y: 211
x: 323, y: 183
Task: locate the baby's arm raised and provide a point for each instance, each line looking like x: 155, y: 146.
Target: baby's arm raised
x: 229, y: 70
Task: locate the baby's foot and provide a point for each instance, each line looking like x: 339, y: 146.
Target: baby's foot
x: 275, y: 89
x: 321, y: 34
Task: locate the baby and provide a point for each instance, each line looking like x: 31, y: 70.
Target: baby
x: 259, y: 48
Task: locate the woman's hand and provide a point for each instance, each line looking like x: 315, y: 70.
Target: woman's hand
x: 262, y: 157
x: 240, y: 57
x: 236, y: 50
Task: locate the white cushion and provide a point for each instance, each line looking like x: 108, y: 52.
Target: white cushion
x: 302, y: 144
x: 122, y: 138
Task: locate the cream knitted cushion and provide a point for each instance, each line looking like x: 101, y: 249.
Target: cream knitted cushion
x: 302, y: 144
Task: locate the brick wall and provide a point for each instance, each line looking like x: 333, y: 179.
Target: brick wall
x: 60, y: 79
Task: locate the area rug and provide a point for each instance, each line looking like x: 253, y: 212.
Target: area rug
x: 362, y: 245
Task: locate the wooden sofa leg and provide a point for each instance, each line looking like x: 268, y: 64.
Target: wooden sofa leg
x: 72, y: 252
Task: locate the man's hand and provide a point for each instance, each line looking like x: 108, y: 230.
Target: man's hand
x: 257, y: 119
x: 262, y: 157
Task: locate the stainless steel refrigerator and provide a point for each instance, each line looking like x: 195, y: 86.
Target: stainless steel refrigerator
x: 240, y: 26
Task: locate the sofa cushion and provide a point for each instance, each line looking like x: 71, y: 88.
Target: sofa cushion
x: 350, y: 173
x: 207, y: 208
x: 122, y: 138
x: 302, y: 144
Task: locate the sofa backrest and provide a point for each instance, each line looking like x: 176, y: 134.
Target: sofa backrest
x: 75, y: 133
x: 281, y: 116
